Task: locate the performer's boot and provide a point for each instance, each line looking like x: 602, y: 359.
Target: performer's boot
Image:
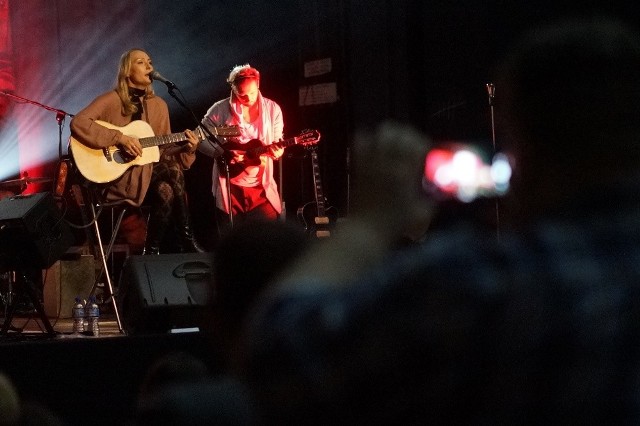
x: 156, y: 228
x: 186, y: 240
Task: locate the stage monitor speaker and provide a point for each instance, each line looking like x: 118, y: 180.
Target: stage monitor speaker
x: 33, y: 233
x: 166, y: 293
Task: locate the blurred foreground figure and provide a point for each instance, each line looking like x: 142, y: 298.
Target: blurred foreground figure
x: 540, y: 327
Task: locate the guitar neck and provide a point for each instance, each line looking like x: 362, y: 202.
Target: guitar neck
x: 166, y: 139
x: 281, y: 144
x: 317, y: 182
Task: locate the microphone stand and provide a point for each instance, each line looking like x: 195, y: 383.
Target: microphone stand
x: 348, y: 167
x: 60, y: 114
x: 491, y: 91
x: 223, y: 163
x: 171, y: 89
x: 283, y: 212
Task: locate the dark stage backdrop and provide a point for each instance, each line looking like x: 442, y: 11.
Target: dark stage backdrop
x: 333, y: 65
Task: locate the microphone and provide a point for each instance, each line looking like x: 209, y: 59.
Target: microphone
x: 157, y: 76
x: 491, y: 91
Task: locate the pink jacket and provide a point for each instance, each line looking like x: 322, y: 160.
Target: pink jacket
x: 223, y: 113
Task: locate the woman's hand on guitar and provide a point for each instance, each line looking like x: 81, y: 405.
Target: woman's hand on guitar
x: 192, y: 141
x: 130, y: 145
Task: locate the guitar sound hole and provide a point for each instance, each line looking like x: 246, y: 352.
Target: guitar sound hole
x: 122, y: 157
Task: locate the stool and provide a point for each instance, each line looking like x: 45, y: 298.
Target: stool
x: 96, y: 207
x: 88, y: 196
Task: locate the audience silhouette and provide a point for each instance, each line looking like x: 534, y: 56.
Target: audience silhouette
x: 537, y: 327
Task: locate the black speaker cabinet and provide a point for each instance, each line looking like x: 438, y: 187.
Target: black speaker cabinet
x: 33, y: 233
x: 166, y: 293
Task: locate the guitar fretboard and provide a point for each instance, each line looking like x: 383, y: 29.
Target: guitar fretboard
x: 165, y: 139
x: 317, y: 183
x: 282, y: 144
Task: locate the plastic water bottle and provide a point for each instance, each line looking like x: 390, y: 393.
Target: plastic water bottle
x: 92, y: 313
x: 78, y: 316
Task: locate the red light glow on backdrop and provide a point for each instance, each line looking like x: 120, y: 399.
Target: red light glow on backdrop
x: 56, y: 54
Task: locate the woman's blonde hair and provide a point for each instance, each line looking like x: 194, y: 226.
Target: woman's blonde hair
x: 122, y: 83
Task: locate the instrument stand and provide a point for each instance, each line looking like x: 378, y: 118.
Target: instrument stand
x: 25, y: 285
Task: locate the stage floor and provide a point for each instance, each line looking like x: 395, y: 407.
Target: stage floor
x: 51, y: 365
x: 30, y: 326
x: 87, y: 377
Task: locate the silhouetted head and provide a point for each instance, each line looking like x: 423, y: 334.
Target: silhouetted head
x: 570, y: 102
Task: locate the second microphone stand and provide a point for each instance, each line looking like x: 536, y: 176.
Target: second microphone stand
x: 220, y: 158
x: 491, y: 91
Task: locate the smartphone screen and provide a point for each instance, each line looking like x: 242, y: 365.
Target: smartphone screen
x: 465, y: 170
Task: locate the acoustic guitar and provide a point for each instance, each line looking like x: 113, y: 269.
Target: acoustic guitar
x: 242, y: 155
x: 108, y: 164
